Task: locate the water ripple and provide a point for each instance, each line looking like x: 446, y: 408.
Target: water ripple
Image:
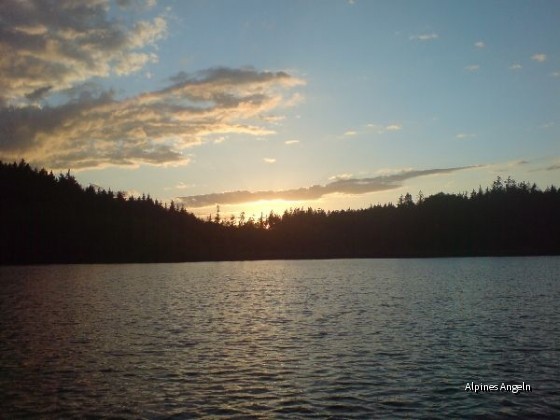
x: 286, y: 339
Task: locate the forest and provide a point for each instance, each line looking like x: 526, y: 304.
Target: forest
x: 49, y: 219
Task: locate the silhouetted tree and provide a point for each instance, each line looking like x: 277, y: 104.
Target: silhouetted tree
x: 52, y: 219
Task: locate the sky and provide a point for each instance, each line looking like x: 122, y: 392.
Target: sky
x: 266, y: 105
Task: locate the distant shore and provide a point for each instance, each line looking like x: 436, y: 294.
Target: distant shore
x: 50, y: 219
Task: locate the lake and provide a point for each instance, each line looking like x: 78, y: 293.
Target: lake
x: 369, y: 338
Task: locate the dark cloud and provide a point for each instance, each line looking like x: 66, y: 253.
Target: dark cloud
x: 124, y: 3
x: 49, y: 45
x: 38, y: 93
x: 352, y: 186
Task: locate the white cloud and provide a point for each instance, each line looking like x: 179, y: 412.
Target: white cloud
x: 269, y: 160
x: 472, y: 68
x: 516, y: 66
x: 555, y: 74
x: 179, y: 186
x: 393, y: 127
x: 182, y: 186
x: 288, y: 142
x: 465, y: 135
x: 479, y: 44
x: 383, y: 128
x: 424, y: 37
x: 540, y: 57
x: 350, y: 133
x: 340, y: 177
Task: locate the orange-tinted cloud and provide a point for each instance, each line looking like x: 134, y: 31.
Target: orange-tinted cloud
x: 94, y: 129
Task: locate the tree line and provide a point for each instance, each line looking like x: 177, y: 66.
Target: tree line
x: 49, y: 218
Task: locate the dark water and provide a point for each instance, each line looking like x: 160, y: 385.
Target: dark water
x: 339, y: 339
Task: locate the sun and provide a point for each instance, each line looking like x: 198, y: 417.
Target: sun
x: 234, y: 213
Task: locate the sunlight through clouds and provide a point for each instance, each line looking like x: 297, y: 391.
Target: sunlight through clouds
x: 259, y: 97
x: 344, y: 184
x: 44, y: 54
x: 150, y: 128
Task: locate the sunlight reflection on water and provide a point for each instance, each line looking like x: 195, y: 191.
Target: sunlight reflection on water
x: 342, y: 338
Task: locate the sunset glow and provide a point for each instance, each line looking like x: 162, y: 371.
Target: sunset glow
x: 258, y: 106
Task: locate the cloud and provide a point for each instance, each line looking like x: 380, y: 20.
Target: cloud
x: 424, y: 37
x: 179, y: 186
x: 94, y: 129
x: 47, y: 46
x: 472, y: 68
x: 288, y: 142
x: 269, y: 160
x: 479, y: 44
x: 464, y: 135
x: 555, y: 74
x: 554, y: 167
x: 393, y: 127
x: 515, y: 67
x: 136, y: 4
x: 349, y: 186
x: 500, y: 167
x: 350, y: 133
x: 54, y: 49
x: 541, y: 58
x: 273, y: 119
x: 340, y: 176
x: 383, y: 128
x: 182, y: 186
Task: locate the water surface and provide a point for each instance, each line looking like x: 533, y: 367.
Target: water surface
x: 336, y: 338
